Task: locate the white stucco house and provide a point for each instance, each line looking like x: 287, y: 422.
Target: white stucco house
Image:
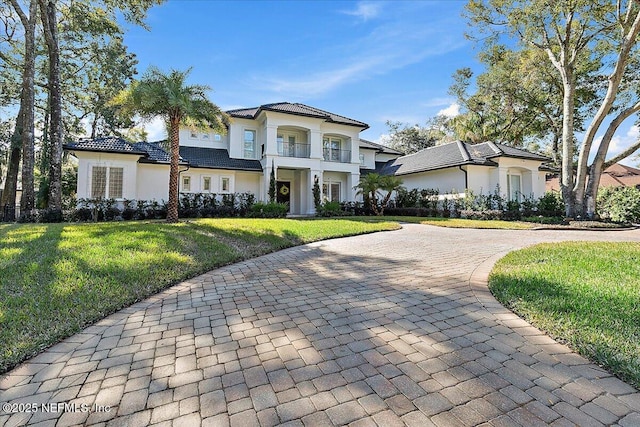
x: 301, y: 143
x: 458, y: 166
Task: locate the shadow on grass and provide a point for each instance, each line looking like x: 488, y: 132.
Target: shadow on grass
x: 370, y: 325
x: 58, y: 278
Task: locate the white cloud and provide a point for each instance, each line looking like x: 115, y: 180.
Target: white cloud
x: 618, y: 144
x: 392, y: 45
x: 438, y: 102
x: 156, y: 129
x: 383, y: 139
x: 451, y: 111
x: 365, y: 10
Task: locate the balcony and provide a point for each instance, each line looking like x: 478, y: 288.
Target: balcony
x: 335, y: 155
x: 291, y: 149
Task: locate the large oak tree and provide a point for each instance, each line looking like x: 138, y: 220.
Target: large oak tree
x: 570, y: 34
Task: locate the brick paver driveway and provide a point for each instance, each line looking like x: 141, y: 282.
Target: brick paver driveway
x: 389, y: 329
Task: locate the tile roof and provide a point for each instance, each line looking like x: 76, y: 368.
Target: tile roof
x: 111, y: 144
x: 454, y: 154
x: 216, y: 158
x: 379, y: 147
x: 154, y: 152
x: 298, y: 110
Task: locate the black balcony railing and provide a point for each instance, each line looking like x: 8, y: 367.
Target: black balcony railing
x: 335, y: 155
x: 291, y: 149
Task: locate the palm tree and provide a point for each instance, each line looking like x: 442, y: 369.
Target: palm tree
x: 167, y: 95
x: 373, y: 185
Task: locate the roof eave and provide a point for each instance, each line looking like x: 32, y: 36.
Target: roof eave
x: 96, y: 150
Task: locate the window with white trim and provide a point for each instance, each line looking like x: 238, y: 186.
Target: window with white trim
x: 514, y: 187
x: 249, y: 144
x: 331, y: 191
x: 225, y: 184
x: 332, y: 148
x: 106, y: 182
x: 186, y: 183
x: 206, y: 184
x: 217, y: 137
x: 193, y: 134
x: 205, y: 136
x: 361, y: 159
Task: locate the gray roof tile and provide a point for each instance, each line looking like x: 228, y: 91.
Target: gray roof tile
x: 216, y: 158
x: 110, y: 144
x: 296, y: 109
x: 379, y: 147
x: 154, y: 152
x: 454, y: 154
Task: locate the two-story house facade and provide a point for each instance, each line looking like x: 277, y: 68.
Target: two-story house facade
x: 298, y: 142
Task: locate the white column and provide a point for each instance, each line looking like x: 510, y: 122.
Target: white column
x: 502, y: 182
x: 352, y: 180
x: 271, y: 142
x: 315, y: 139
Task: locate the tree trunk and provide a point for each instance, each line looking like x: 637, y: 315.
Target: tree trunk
x: 27, y: 203
x: 568, y: 105
x: 599, y: 164
x: 11, y: 181
x: 174, y: 134
x: 631, y: 29
x: 49, y: 23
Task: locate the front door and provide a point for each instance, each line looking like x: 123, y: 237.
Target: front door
x: 283, y: 192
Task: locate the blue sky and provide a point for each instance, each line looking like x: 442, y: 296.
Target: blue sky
x: 369, y: 60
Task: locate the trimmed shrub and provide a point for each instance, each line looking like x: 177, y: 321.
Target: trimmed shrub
x: 328, y: 209
x: 550, y: 204
x: 620, y: 204
x: 269, y: 210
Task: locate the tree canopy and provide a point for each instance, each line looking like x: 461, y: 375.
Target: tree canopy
x: 591, y: 48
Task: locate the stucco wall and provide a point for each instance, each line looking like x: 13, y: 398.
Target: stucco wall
x: 89, y: 159
x: 445, y: 180
x: 153, y: 182
x: 203, y: 139
x: 369, y: 158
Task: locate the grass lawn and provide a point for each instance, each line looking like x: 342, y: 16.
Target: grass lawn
x: 463, y: 223
x: 57, y: 278
x: 585, y: 294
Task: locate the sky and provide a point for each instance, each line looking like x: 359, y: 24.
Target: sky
x: 372, y: 61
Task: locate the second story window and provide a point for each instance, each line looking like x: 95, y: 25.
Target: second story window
x: 249, y: 144
x: 331, y: 149
x: 193, y: 134
x: 361, y: 159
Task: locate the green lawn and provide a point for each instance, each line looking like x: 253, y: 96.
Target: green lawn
x: 462, y: 223
x: 57, y: 278
x: 586, y: 294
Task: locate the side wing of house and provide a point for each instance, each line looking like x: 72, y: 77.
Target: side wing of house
x: 483, y: 168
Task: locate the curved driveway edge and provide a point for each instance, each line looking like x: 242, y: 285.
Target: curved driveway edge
x: 393, y: 328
